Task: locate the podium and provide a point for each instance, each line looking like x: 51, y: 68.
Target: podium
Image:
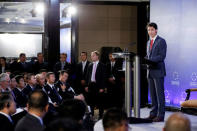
x: 135, y: 60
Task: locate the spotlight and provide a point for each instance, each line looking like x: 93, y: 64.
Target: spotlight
x: 72, y: 10
x: 39, y: 8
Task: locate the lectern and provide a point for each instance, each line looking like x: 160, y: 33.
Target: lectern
x: 136, y: 74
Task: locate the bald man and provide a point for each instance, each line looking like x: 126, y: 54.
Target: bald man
x: 177, y: 122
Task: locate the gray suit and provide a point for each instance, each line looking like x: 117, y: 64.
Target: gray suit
x: 156, y: 74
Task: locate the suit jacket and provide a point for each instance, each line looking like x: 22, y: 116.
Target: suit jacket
x: 5, y: 124
x: 53, y: 94
x: 29, y: 123
x: 67, y: 94
x: 157, y: 55
x: 115, y: 71
x: 58, y: 65
x: 26, y: 67
x: 27, y: 90
x: 7, y: 67
x: 21, y: 99
x: 79, y: 71
x: 38, y: 66
x: 100, y: 75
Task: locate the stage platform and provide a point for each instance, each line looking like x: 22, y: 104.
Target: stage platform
x: 158, y: 126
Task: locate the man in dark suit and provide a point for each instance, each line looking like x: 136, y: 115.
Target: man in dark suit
x: 7, y: 108
x: 81, y: 71
x: 156, y: 53
x: 37, y: 107
x: 20, y: 97
x: 114, y: 85
x: 96, y: 79
x: 31, y: 83
x: 64, y: 89
x: 51, y: 90
x: 22, y: 65
x: 62, y: 65
x: 40, y: 63
x: 3, y: 65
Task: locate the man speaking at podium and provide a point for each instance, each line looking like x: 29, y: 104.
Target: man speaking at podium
x: 156, y: 53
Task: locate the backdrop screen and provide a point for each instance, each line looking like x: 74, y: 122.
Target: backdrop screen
x: 11, y: 45
x: 177, y: 21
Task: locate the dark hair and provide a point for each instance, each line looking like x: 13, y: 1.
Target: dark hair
x: 64, y: 54
x: 152, y: 24
x: 72, y: 108
x: 38, y: 99
x: 29, y: 75
x: 63, y: 125
x: 61, y: 72
x: 3, y: 58
x: 22, y: 54
x: 39, y: 53
x: 42, y: 70
x: 18, y: 77
x: 113, y: 118
x: 84, y: 53
x: 5, y: 98
x: 12, y: 76
x: 48, y: 74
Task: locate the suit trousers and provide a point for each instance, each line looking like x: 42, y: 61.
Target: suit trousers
x: 156, y: 86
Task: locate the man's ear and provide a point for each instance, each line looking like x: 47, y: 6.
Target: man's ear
x: 46, y: 108
x: 27, y: 106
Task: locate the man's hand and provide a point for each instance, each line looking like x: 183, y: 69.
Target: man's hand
x: 79, y: 97
x: 83, y: 82
x: 86, y: 89
x: 63, y: 87
x: 111, y: 80
x: 101, y: 90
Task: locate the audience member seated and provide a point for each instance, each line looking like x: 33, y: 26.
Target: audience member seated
x: 31, y: 84
x: 115, y: 120
x: 37, y: 107
x: 177, y: 122
x: 51, y: 90
x: 40, y: 63
x: 64, y: 89
x: 4, y: 82
x: 75, y: 109
x: 7, y: 108
x: 20, y: 97
x: 63, y: 125
x: 3, y: 65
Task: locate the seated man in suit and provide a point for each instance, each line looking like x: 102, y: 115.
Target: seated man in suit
x: 81, y: 71
x: 37, y: 107
x: 7, y: 108
x: 31, y: 83
x: 40, y: 63
x: 64, y: 89
x: 51, y: 90
x: 4, y: 82
x: 20, y: 97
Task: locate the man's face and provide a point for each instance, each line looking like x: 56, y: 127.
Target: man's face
x: 40, y: 58
x: 32, y: 80
x: 64, y: 77
x: 2, y: 61
x: 111, y: 58
x: 13, y: 83
x: 23, y: 58
x: 94, y: 57
x: 12, y: 107
x: 5, y: 84
x: 83, y: 56
x: 21, y: 83
x: 152, y: 32
x: 41, y: 80
x: 63, y: 58
x: 51, y: 78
